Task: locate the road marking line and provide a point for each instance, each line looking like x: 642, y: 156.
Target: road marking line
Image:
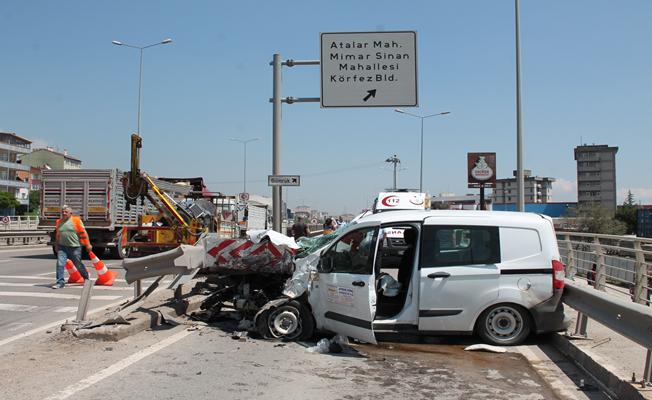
x: 49, y: 279
x: 55, y: 295
x: 16, y: 326
x: 117, y: 367
x: 65, y: 309
x: 68, y: 286
x: 16, y: 307
x: 3, y: 261
x: 47, y: 273
x: 53, y: 324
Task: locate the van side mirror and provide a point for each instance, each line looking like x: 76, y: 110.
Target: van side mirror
x: 325, y: 264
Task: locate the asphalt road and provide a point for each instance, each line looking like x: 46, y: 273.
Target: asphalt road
x: 175, y: 362
x: 207, y: 363
x: 26, y: 300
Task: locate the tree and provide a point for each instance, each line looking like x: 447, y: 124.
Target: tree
x: 8, y: 200
x: 34, y: 200
x: 627, y: 213
x: 598, y: 220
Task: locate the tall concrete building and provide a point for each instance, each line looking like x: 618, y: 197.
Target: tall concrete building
x: 537, y: 189
x: 596, y: 176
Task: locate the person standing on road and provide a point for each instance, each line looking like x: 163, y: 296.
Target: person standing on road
x: 299, y: 229
x: 70, y: 235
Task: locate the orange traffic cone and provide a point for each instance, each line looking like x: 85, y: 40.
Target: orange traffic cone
x: 75, y: 276
x: 104, y: 276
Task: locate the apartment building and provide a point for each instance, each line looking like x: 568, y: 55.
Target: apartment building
x: 596, y: 176
x: 536, y: 189
x: 12, y: 147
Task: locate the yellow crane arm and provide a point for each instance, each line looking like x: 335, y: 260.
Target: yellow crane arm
x: 163, y: 199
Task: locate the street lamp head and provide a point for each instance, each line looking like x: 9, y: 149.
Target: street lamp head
x: 398, y: 110
x: 166, y: 41
x: 445, y: 112
x: 115, y: 42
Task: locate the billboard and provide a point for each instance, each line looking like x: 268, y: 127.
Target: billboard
x: 481, y: 169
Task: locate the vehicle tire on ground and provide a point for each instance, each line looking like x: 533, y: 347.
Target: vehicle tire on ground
x: 504, y: 325
x: 119, y: 252
x: 289, y: 321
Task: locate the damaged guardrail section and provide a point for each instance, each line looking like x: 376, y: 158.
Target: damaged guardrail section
x: 182, y: 260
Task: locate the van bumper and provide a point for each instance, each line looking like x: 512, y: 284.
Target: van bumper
x: 549, y: 316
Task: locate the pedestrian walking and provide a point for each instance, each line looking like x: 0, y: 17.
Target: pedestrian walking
x: 70, y: 236
x: 299, y: 229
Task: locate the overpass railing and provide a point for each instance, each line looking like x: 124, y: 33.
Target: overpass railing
x: 18, y: 223
x: 618, y: 270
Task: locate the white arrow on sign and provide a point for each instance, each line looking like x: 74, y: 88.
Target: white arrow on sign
x: 283, y: 180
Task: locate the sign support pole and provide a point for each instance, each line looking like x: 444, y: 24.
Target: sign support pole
x: 482, y: 206
x: 276, y: 143
x: 276, y: 100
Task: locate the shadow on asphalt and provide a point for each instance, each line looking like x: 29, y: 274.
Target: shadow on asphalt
x: 47, y: 256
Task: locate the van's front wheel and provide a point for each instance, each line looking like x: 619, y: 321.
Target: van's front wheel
x: 504, y: 325
x: 290, y: 321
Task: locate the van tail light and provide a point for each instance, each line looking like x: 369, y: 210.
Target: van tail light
x: 558, y: 274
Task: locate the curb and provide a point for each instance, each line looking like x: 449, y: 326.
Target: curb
x: 143, y: 318
x: 599, y: 369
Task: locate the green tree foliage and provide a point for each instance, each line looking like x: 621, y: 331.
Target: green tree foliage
x: 34, y: 200
x: 8, y: 200
x: 598, y: 220
x: 627, y: 213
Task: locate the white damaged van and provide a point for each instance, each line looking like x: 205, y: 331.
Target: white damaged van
x: 435, y: 272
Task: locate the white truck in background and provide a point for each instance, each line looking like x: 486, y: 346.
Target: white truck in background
x: 256, y: 217
x: 96, y: 195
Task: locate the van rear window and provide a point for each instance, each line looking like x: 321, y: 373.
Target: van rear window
x: 459, y: 245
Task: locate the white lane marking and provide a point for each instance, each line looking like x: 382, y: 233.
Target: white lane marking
x: 47, y: 273
x: 3, y: 261
x: 42, y: 278
x: 70, y: 285
x: 53, y: 324
x: 55, y: 295
x: 16, y: 307
x: 16, y: 326
x: 65, y: 309
x: 117, y: 367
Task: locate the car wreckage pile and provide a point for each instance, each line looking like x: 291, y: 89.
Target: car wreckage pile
x: 264, y: 278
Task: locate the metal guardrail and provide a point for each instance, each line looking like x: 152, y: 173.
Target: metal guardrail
x: 621, y: 264
x: 15, y: 238
x: 18, y: 223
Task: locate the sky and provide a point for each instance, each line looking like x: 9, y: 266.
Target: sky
x: 586, y: 71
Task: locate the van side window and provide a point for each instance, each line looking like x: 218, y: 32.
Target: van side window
x: 353, y: 253
x: 459, y: 245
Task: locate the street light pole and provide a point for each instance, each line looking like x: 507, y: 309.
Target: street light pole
x: 244, y: 174
x: 394, y: 160
x: 140, y: 74
x: 422, y: 117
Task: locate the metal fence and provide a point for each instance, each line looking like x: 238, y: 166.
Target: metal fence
x: 18, y: 223
x: 616, y: 264
x: 621, y: 263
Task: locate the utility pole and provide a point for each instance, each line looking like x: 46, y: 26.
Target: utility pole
x: 394, y: 160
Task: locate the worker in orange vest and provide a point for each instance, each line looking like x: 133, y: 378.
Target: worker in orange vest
x: 70, y: 236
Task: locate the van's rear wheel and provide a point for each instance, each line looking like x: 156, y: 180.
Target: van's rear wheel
x: 504, y: 324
